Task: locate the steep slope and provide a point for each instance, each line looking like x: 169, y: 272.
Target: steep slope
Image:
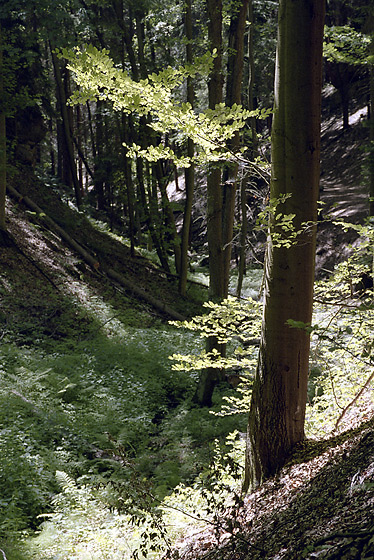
x: 321, y: 505
x: 43, y: 277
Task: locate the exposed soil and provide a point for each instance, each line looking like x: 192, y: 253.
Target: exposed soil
x: 321, y: 505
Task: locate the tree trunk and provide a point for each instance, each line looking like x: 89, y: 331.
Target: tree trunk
x: 277, y: 410
x: 214, y: 179
x: 371, y: 148
x: 189, y: 173
x: 2, y: 143
x: 233, y: 96
x: 253, y: 153
x: 66, y: 127
x: 242, y: 238
x: 99, y: 179
x: 211, y: 376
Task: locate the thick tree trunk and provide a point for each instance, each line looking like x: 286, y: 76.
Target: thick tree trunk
x: 277, y: 410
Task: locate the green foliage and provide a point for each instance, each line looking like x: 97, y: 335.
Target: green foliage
x: 342, y: 359
x: 283, y: 229
x: 229, y: 321
x: 123, y: 519
x: 98, y: 78
x: 345, y: 44
x: 81, y: 526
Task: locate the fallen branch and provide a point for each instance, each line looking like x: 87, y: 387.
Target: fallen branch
x: 92, y: 262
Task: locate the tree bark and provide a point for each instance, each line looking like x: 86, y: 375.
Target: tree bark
x: 371, y: 148
x: 233, y: 96
x: 277, y: 410
x: 2, y: 141
x: 209, y: 377
x: 66, y: 128
x: 189, y: 173
x: 214, y: 179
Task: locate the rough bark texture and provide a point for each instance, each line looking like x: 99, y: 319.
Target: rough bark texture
x: 277, y: 411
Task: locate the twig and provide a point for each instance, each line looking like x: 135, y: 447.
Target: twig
x: 355, y: 399
x: 3, y: 553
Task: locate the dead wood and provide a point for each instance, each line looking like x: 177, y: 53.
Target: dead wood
x: 92, y: 261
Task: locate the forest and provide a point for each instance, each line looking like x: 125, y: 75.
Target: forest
x: 186, y: 279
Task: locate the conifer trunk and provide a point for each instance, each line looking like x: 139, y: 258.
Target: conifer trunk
x: 277, y: 410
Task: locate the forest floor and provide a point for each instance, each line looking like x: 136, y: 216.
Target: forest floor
x: 321, y: 505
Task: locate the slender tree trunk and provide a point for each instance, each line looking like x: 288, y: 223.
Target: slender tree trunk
x: 169, y: 220
x: 99, y: 180
x: 2, y: 143
x: 90, y: 126
x: 211, y: 376
x: 129, y: 185
x: 79, y: 147
x: 277, y: 410
x: 66, y: 127
x: 243, y: 237
x: 214, y: 179
x: 189, y: 173
x: 233, y: 96
x: 253, y: 152
x: 371, y: 149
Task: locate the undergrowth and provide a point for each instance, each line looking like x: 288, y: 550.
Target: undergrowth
x: 104, y: 453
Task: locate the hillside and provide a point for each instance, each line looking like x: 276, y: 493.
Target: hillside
x: 48, y: 278
x: 321, y: 504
